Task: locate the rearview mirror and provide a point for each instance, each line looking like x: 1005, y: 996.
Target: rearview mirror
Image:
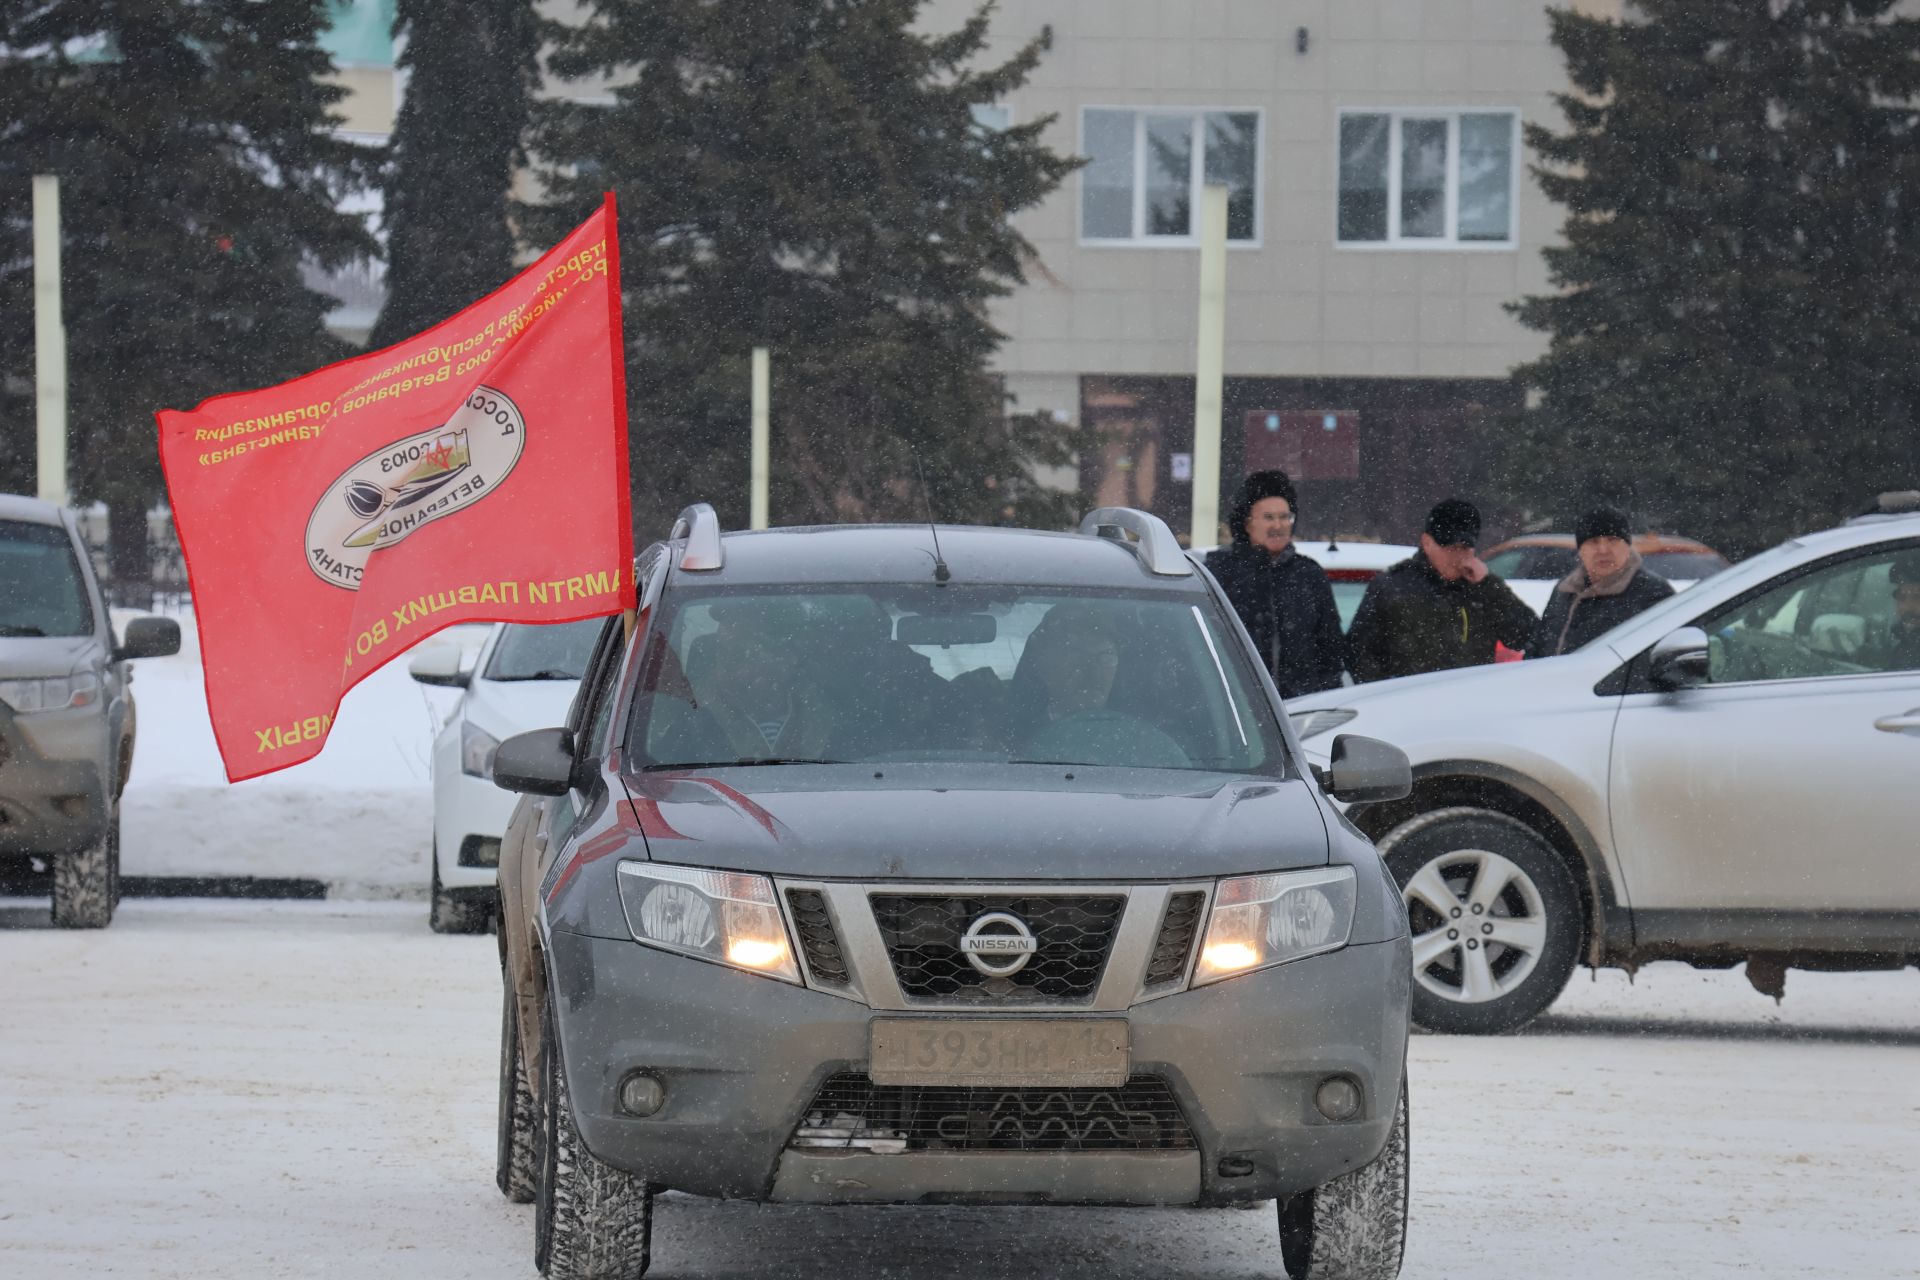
x: 1367, y: 769
x: 1679, y: 659
x: 539, y: 763
x: 945, y: 628
x: 149, y: 638
x: 439, y: 664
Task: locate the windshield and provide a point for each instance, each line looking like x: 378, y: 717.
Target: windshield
x: 554, y: 652
x: 894, y: 673
x: 41, y: 590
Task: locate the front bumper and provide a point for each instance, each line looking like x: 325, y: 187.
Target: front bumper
x: 465, y: 806
x: 742, y: 1057
x: 53, y: 799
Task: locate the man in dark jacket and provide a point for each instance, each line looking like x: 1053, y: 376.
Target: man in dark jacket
x: 1283, y: 598
x: 1439, y: 609
x: 1609, y: 585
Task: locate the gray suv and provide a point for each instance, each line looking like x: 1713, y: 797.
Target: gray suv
x: 66, y: 711
x: 962, y: 866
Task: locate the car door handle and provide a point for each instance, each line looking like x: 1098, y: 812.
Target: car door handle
x: 1908, y: 723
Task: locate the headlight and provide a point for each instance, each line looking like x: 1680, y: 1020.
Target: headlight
x: 1266, y: 920
x: 1307, y: 724
x: 476, y: 750
x: 54, y: 693
x: 728, y: 917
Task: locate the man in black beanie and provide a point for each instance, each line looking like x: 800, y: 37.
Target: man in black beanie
x: 1439, y: 609
x: 1283, y: 598
x: 1609, y: 585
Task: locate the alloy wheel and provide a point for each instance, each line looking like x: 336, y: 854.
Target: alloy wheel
x: 1478, y: 924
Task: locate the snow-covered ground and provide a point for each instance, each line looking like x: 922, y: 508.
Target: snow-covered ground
x: 358, y: 816
x: 307, y: 1089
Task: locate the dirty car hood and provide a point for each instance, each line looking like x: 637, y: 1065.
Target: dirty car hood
x: 984, y: 822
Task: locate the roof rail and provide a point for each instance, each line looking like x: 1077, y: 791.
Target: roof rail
x: 1152, y: 541
x: 701, y: 528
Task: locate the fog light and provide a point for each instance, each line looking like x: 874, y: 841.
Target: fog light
x: 1338, y: 1098
x: 642, y: 1095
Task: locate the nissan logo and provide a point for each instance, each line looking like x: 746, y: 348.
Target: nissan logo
x: 998, y: 945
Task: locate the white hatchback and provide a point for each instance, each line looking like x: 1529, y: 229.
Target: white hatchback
x: 522, y: 678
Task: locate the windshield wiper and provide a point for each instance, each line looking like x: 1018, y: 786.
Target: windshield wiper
x: 737, y: 762
x: 551, y: 673
x: 21, y: 631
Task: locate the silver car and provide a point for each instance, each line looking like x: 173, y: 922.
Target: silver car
x: 66, y: 710
x: 1733, y: 776
x: 883, y: 869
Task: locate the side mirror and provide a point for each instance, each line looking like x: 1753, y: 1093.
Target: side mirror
x: 439, y: 664
x: 1679, y: 660
x: 539, y: 763
x: 149, y: 638
x: 1367, y: 769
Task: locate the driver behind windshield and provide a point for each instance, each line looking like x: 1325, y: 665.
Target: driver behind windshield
x: 1072, y: 665
x: 1897, y: 648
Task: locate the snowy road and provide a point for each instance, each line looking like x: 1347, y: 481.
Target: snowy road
x: 306, y: 1089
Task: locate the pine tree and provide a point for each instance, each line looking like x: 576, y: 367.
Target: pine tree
x: 1735, y: 344
x: 198, y: 174
x: 457, y: 142
x: 808, y: 175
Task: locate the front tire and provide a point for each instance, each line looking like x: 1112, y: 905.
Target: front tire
x: 1495, y: 916
x: 592, y: 1221
x: 86, y: 883
x: 455, y: 912
x: 515, y: 1170
x: 1355, y: 1227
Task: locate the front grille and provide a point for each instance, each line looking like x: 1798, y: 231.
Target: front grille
x: 1178, y: 928
x: 1072, y: 936
x: 852, y: 1113
x: 818, y: 938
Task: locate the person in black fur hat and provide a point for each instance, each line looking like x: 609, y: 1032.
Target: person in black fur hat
x: 1283, y: 598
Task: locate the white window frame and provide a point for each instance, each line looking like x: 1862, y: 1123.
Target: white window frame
x: 1450, y: 242
x: 1196, y: 182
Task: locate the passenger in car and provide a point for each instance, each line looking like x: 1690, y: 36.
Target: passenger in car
x: 1897, y: 647
x: 1063, y: 692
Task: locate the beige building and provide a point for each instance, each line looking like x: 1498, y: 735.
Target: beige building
x: 1381, y: 218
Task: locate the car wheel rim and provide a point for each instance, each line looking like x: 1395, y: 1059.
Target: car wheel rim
x: 1478, y: 925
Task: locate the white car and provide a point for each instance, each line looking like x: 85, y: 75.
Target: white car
x: 1728, y: 777
x: 523, y: 678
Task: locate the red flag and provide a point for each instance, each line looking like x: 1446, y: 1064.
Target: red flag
x: 477, y: 472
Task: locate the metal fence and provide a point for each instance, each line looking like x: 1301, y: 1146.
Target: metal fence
x: 164, y: 584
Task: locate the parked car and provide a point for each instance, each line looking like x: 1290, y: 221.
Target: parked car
x: 66, y: 709
x: 523, y: 677
x: 1728, y: 777
x: 1534, y: 563
x: 1350, y: 566
x: 805, y: 920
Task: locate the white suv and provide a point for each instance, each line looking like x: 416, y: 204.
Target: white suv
x: 1732, y: 776
x: 523, y: 677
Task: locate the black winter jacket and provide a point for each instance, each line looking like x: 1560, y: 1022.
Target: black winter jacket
x: 1576, y: 615
x: 1287, y: 607
x: 1412, y: 620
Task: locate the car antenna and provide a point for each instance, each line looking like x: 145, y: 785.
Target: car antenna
x: 941, y: 573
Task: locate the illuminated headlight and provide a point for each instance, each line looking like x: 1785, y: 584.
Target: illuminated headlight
x: 729, y: 917
x: 54, y: 693
x: 1260, y: 921
x: 1308, y: 724
x: 476, y: 750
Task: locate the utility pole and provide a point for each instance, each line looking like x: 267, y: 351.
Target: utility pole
x: 762, y: 390
x: 49, y: 343
x: 1209, y: 366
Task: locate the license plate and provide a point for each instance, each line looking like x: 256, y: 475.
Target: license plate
x: 1092, y: 1052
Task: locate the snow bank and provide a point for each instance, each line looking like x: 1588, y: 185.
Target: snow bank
x: 358, y: 816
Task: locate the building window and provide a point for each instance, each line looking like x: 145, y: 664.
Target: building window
x: 1418, y: 179
x: 992, y: 117
x: 1145, y: 171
